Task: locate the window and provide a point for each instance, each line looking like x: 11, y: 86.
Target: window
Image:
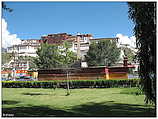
x: 23, y: 47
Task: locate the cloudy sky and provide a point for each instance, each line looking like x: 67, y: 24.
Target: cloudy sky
x: 8, y: 39
x: 33, y: 19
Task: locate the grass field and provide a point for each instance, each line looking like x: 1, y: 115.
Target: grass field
x: 108, y: 102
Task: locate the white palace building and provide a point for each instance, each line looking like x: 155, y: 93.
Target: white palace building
x: 80, y: 45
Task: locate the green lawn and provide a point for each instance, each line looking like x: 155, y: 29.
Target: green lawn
x: 109, y: 102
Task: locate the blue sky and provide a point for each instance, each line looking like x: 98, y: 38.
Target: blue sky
x: 101, y: 19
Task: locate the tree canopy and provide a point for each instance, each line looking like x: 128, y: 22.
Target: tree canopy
x: 6, y: 57
x: 143, y: 14
x: 129, y: 53
x: 103, y: 53
x: 47, y: 56
x: 4, y: 6
x: 52, y: 56
x: 67, y: 57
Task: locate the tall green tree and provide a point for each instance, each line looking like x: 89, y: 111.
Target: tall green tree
x: 54, y: 56
x: 47, y: 57
x: 143, y: 14
x: 67, y: 59
x: 103, y: 53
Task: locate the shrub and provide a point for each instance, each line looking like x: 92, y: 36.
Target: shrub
x: 73, y: 84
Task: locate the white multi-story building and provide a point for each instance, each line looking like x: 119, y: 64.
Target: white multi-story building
x: 25, y: 48
x: 80, y: 44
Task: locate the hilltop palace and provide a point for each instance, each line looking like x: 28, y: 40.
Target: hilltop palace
x: 79, y: 44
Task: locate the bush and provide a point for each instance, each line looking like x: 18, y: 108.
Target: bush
x: 73, y: 84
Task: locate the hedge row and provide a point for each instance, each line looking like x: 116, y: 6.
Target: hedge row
x: 73, y: 84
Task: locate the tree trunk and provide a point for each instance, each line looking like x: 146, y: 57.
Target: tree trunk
x: 67, y: 82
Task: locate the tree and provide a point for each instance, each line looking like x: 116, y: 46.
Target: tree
x: 143, y: 14
x: 67, y: 58
x: 6, y: 57
x: 4, y: 6
x: 103, y: 53
x: 52, y: 56
x: 129, y: 53
x: 47, y: 56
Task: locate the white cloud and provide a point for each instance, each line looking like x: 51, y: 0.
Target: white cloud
x: 8, y: 39
x: 131, y: 41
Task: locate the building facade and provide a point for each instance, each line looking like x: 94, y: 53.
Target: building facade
x: 79, y: 43
x: 25, y: 48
